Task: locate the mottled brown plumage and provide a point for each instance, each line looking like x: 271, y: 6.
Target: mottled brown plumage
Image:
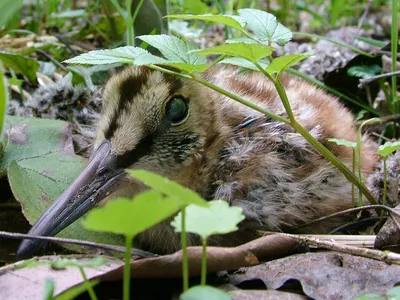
x: 224, y: 150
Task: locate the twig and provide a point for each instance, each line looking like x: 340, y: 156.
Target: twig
x: 364, y: 82
x: 350, y: 210
x: 386, y: 256
x: 135, y: 252
x: 380, y: 121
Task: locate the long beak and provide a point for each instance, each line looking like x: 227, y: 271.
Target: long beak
x: 100, y: 178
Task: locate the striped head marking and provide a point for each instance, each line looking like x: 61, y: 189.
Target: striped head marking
x: 153, y: 120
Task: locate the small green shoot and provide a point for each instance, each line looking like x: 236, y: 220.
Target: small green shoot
x: 201, y: 292
x: 48, y: 289
x: 218, y: 218
x: 353, y: 146
x: 385, y: 150
x: 184, y: 195
x: 130, y: 217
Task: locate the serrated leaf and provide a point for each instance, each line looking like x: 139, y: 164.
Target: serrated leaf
x: 202, y: 292
x: 388, y: 148
x: 168, y: 187
x: 175, y: 49
x: 341, y: 142
x: 252, y: 52
x: 20, y: 64
x: 244, y: 63
x: 280, y: 64
x: 123, y: 55
x: 8, y: 9
x: 218, y: 218
x: 265, y: 26
x: 231, y: 21
x: 365, y: 71
x: 130, y: 217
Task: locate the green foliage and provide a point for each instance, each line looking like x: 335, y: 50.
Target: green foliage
x: 8, y: 9
x: 392, y: 294
x: 218, y: 218
x: 21, y: 64
x: 3, y: 102
x: 341, y: 142
x: 365, y: 71
x: 48, y: 289
x: 202, y: 292
x: 76, y: 290
x: 130, y: 217
x: 280, y: 64
x: 231, y: 21
x: 388, y: 148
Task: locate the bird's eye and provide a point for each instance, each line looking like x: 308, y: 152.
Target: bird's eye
x: 177, y: 110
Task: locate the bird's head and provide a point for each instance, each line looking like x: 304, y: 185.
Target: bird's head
x: 151, y: 120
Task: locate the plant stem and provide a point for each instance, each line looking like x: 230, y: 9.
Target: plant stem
x: 89, y: 288
x: 353, y: 190
x: 127, y: 267
x: 185, y: 262
x: 130, y: 34
x: 384, y: 181
x: 394, y: 44
x: 204, y: 262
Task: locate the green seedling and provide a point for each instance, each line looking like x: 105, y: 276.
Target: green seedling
x: 130, y: 217
x: 64, y: 263
x: 385, y: 150
x: 184, y: 195
x: 218, y: 218
x: 353, y: 146
x: 201, y: 292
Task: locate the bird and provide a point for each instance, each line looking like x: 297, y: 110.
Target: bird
x: 221, y: 149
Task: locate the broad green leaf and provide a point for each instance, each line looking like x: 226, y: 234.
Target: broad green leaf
x: 280, y: 64
x: 182, y: 28
x: 130, y: 217
x: 231, y: 21
x: 123, y: 55
x: 75, y: 291
x: 241, y: 40
x: 8, y: 9
x: 3, y: 101
x: 48, y: 289
x: 41, y: 164
x: 265, y: 26
x: 365, y: 71
x: 252, y: 52
x: 388, y: 148
x: 341, y: 142
x: 218, y: 218
x: 393, y: 293
x: 244, y: 63
x: 202, y: 292
x: 20, y: 64
x: 174, y: 49
x: 168, y: 187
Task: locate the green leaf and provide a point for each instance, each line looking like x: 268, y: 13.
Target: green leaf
x: 202, y: 292
x: 3, y: 101
x: 48, y: 289
x: 393, y: 293
x: 41, y: 164
x: 130, y: 217
x: 20, y: 64
x: 231, y: 21
x: 75, y: 291
x: 218, y: 218
x: 182, y: 28
x: 168, y: 187
x: 174, y: 49
x: 341, y: 142
x: 251, y: 52
x: 244, y: 63
x: 194, y: 6
x: 64, y: 262
x: 123, y: 55
x: 388, y: 148
x: 265, y: 26
x: 280, y: 64
x: 365, y: 71
x: 77, y: 13
x: 8, y: 9
x: 370, y: 297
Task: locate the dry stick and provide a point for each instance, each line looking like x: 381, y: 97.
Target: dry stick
x: 364, y: 82
x: 350, y: 210
x: 385, y: 256
x: 135, y: 252
x: 380, y: 121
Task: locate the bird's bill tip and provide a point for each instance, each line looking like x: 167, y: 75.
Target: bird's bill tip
x: 100, y: 177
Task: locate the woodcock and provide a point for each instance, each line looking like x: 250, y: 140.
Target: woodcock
x: 217, y: 147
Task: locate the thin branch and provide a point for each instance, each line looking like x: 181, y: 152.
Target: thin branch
x: 135, y: 252
x: 364, y: 82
